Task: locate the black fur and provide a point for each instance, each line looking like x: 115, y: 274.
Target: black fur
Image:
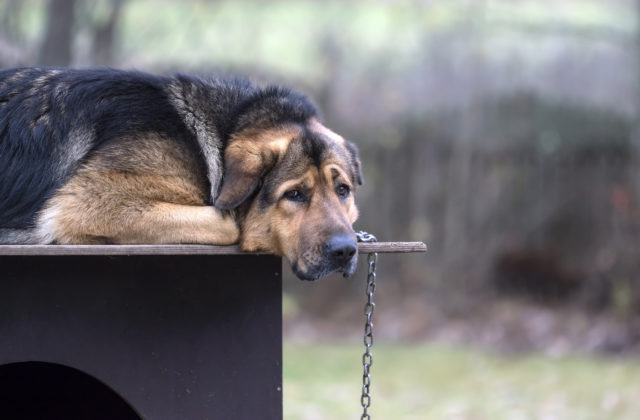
x: 272, y: 106
x: 51, y: 120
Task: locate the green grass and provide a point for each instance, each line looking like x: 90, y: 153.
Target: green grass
x: 437, y: 382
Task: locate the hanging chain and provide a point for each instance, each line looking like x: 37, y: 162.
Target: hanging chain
x: 369, y: 307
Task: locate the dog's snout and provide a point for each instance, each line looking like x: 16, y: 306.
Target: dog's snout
x: 341, y: 249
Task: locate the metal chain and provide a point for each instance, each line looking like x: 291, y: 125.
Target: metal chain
x: 369, y: 307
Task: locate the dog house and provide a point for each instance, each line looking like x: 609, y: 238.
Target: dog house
x: 141, y: 332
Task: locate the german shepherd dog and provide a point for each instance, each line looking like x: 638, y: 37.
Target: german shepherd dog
x: 122, y: 157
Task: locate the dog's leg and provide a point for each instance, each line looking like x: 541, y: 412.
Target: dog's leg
x: 166, y: 223
x: 98, y: 208
x: 145, y: 191
x: 152, y: 223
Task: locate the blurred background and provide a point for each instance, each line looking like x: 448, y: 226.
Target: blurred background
x: 503, y: 133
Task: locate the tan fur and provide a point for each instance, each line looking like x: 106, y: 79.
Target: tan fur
x: 136, y: 191
x: 287, y: 228
x: 290, y: 229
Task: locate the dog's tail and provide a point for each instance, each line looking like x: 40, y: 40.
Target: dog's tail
x: 19, y: 237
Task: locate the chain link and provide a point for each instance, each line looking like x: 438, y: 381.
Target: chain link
x: 369, y: 308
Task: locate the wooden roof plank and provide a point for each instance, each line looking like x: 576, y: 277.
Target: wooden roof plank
x: 26, y: 250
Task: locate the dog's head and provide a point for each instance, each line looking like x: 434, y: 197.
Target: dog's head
x: 292, y: 186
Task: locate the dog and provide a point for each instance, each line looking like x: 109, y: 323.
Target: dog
x: 105, y: 156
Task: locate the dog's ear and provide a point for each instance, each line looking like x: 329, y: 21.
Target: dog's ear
x: 355, y: 162
x: 247, y: 159
x: 241, y: 177
x: 245, y: 163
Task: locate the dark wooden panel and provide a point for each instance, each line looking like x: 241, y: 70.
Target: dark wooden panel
x: 179, y: 337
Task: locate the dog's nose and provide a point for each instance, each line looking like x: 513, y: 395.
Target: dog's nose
x: 340, y: 249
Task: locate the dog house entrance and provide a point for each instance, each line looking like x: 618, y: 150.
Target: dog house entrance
x: 40, y: 390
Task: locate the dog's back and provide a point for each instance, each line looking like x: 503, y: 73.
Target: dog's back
x: 50, y: 119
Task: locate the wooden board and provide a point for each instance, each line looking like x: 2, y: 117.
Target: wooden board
x: 364, y: 248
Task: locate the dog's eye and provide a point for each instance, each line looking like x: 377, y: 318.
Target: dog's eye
x: 343, y: 190
x: 294, y: 195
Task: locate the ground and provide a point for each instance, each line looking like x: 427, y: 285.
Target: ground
x: 435, y: 381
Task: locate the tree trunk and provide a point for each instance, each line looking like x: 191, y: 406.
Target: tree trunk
x: 104, y: 34
x: 56, y: 49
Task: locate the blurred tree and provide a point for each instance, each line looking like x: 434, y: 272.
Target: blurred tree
x: 98, y: 22
x: 11, y: 50
x: 68, y: 21
x: 56, y: 49
x: 103, y: 35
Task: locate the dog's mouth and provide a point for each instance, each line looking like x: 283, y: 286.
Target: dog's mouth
x: 318, y: 271
x: 339, y: 253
